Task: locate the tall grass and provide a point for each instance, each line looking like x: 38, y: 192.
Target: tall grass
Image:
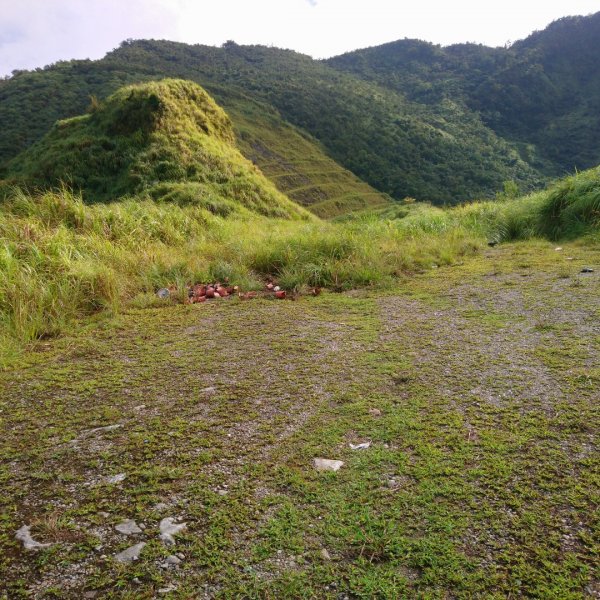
x: 61, y: 259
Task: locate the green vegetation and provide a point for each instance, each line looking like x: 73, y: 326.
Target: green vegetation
x: 540, y: 93
x: 481, y: 480
x: 443, y: 125
x: 62, y: 259
x: 404, y: 148
x: 470, y: 371
x: 165, y: 140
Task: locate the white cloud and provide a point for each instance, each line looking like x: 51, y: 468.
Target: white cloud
x: 34, y: 33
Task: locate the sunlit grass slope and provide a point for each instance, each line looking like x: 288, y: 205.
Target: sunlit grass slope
x: 164, y: 140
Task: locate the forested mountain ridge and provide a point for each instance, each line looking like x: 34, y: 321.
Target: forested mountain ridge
x: 410, y: 118
x: 541, y: 93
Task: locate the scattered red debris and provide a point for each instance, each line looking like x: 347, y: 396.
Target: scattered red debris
x: 201, y: 292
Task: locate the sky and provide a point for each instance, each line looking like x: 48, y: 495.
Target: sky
x: 35, y: 33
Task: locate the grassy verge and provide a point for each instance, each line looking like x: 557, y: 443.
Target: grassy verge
x: 61, y: 259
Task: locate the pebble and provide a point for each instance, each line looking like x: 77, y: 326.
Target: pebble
x: 103, y: 429
x: 325, y: 464
x: 163, y: 293
x: 325, y: 555
x: 111, y: 479
x: 167, y: 590
x: 374, y: 412
x: 24, y: 535
x: 171, y: 561
x: 362, y: 446
x: 558, y: 249
x: 128, y: 527
x: 160, y: 506
x: 168, y: 529
x: 130, y: 554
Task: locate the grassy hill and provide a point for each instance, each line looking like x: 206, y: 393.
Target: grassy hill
x: 164, y: 140
x: 300, y: 167
x: 401, y: 147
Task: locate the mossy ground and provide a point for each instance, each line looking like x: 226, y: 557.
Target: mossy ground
x: 481, y: 481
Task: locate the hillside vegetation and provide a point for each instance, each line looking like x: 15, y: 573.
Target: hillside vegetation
x: 442, y: 124
x: 165, y: 140
x: 442, y: 153
x: 541, y: 93
x: 62, y: 259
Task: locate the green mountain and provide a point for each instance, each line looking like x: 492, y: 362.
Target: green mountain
x: 408, y: 118
x: 542, y: 94
x: 165, y: 140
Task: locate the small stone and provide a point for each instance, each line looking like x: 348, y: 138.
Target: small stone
x: 103, y: 429
x: 362, y: 446
x: 168, y: 589
x: 90, y: 595
x: 128, y: 527
x: 24, y: 535
x: 570, y: 258
x: 208, y: 390
x: 160, y: 506
x: 139, y: 407
x: 104, y: 514
x: 168, y: 529
x: 112, y: 479
x: 558, y: 249
x: 130, y: 554
x: 325, y: 464
x: 222, y: 492
x: 163, y: 293
x: 587, y: 270
x: 374, y: 412
x: 171, y: 561
x: 325, y: 555
x: 180, y: 555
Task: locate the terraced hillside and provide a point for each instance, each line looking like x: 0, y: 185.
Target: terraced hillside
x: 298, y: 166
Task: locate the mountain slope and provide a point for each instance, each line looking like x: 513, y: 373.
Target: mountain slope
x: 166, y: 140
x: 400, y: 147
x: 542, y: 93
